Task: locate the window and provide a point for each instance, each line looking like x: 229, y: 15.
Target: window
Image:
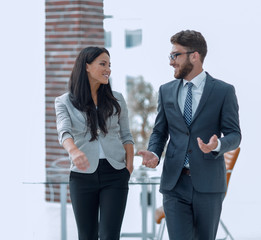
x: 133, y: 38
x: 107, y: 39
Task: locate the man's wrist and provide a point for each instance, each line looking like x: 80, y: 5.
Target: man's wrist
x: 155, y: 155
x: 217, y: 149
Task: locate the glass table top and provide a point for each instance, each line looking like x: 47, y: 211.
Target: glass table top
x: 61, y: 176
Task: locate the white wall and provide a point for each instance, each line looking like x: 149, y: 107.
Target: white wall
x: 22, y: 111
x: 233, y: 32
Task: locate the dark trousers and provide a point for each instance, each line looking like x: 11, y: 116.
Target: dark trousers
x: 99, y: 201
x: 191, y: 215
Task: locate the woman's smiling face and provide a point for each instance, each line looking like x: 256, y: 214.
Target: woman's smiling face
x: 99, y: 70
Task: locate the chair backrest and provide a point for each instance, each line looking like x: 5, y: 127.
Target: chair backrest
x: 159, y: 214
x: 230, y: 161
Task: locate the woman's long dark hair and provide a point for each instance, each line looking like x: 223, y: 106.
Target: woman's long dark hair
x: 80, y: 93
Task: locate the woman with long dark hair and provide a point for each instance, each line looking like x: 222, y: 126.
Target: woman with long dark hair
x: 93, y: 127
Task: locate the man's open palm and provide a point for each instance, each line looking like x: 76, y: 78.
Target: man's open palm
x: 210, y: 146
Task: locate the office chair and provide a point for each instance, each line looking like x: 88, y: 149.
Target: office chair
x: 230, y: 160
x: 160, y: 219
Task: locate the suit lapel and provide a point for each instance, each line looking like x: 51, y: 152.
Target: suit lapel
x: 207, y: 90
x: 175, y: 92
x: 175, y: 95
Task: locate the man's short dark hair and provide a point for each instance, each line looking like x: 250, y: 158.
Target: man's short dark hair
x: 192, y: 41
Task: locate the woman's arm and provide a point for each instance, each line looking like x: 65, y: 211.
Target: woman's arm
x: 129, y: 156
x: 65, y: 136
x: 78, y: 157
x: 125, y: 134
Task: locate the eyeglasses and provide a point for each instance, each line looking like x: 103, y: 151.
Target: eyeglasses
x: 173, y: 56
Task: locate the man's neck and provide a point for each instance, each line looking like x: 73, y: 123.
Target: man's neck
x: 193, y: 74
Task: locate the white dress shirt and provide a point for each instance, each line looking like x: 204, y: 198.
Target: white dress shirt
x: 197, y: 90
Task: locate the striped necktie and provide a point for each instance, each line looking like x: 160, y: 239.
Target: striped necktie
x: 188, y: 105
x: 188, y: 113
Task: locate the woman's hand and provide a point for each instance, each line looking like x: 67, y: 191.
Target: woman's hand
x: 129, y: 156
x: 79, y: 159
x: 130, y: 168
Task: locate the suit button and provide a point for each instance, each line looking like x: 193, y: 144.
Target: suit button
x: 98, y: 131
x: 189, y: 151
x: 187, y: 133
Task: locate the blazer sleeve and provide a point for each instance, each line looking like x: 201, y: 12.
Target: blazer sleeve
x: 63, y: 121
x: 125, y: 133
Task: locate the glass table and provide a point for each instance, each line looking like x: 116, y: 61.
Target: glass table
x: 142, y: 180
x: 145, y: 182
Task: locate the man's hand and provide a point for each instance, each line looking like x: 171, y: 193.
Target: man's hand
x: 149, y: 159
x: 210, y: 146
x: 79, y: 159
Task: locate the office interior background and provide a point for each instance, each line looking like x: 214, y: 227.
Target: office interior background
x: 233, y: 33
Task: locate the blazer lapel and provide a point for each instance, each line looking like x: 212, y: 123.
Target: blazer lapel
x: 207, y: 90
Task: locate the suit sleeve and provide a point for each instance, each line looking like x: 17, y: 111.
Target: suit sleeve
x: 230, y: 122
x: 160, y: 133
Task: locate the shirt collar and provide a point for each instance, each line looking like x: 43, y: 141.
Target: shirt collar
x: 197, y: 80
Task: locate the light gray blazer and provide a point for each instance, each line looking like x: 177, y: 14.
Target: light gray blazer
x: 71, y: 123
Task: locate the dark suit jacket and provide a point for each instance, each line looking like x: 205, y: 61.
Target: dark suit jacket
x: 217, y: 113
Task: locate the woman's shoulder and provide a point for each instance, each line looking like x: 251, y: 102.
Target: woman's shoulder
x: 63, y: 97
x: 117, y: 95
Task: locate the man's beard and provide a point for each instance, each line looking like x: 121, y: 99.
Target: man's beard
x: 184, y: 71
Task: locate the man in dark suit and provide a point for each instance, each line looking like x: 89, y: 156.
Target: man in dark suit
x: 198, y: 116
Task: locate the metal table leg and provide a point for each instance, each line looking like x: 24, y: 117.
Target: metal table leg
x: 153, y: 202
x: 144, y: 234
x: 144, y: 197
x: 63, y: 199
